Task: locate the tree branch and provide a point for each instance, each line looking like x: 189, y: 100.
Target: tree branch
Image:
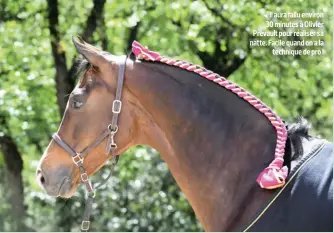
x: 14, y: 166
x: 6, y: 16
x: 103, y: 35
x: 93, y: 20
x: 216, y: 13
x: 133, y: 35
x: 63, y: 85
x: 96, y: 16
x: 65, y: 79
x: 220, y: 62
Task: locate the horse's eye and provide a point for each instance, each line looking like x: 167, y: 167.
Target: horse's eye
x: 77, y: 104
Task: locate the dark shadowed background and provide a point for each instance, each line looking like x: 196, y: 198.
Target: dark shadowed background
x: 37, y: 72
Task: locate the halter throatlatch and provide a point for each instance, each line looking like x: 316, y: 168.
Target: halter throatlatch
x: 275, y: 174
x: 109, y: 133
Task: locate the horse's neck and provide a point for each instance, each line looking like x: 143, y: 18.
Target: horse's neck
x: 214, y: 144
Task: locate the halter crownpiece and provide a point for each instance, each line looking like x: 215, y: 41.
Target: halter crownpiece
x: 109, y: 133
x: 275, y: 174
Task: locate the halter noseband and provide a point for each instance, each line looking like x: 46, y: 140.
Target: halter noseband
x: 110, y: 131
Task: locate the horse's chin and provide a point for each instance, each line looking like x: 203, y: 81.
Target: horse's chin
x: 67, y: 195
x: 68, y: 192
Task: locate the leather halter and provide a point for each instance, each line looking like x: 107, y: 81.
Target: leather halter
x: 109, y: 133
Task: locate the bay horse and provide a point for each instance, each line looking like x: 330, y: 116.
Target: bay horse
x: 239, y: 165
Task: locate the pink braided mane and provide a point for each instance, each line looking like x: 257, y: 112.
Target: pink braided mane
x: 275, y: 174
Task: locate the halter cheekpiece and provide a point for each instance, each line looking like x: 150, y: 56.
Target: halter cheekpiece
x: 109, y: 133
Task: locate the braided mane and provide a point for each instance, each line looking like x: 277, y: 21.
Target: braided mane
x: 275, y: 174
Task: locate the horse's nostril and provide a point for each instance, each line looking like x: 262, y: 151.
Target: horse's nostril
x: 40, y: 177
x: 42, y: 180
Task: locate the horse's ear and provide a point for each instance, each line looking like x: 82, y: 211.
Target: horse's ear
x: 91, y: 53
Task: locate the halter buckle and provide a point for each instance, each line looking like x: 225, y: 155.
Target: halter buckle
x: 84, y: 177
x: 77, y: 159
x: 116, y: 106
x: 113, y: 144
x: 85, y: 225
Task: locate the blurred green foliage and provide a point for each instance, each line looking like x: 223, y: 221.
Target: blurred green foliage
x: 142, y: 196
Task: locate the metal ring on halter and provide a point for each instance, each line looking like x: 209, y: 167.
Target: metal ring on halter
x: 85, y: 225
x: 77, y: 159
x: 84, y: 177
x: 113, y: 130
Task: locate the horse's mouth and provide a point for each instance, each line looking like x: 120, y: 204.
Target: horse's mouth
x: 69, y: 185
